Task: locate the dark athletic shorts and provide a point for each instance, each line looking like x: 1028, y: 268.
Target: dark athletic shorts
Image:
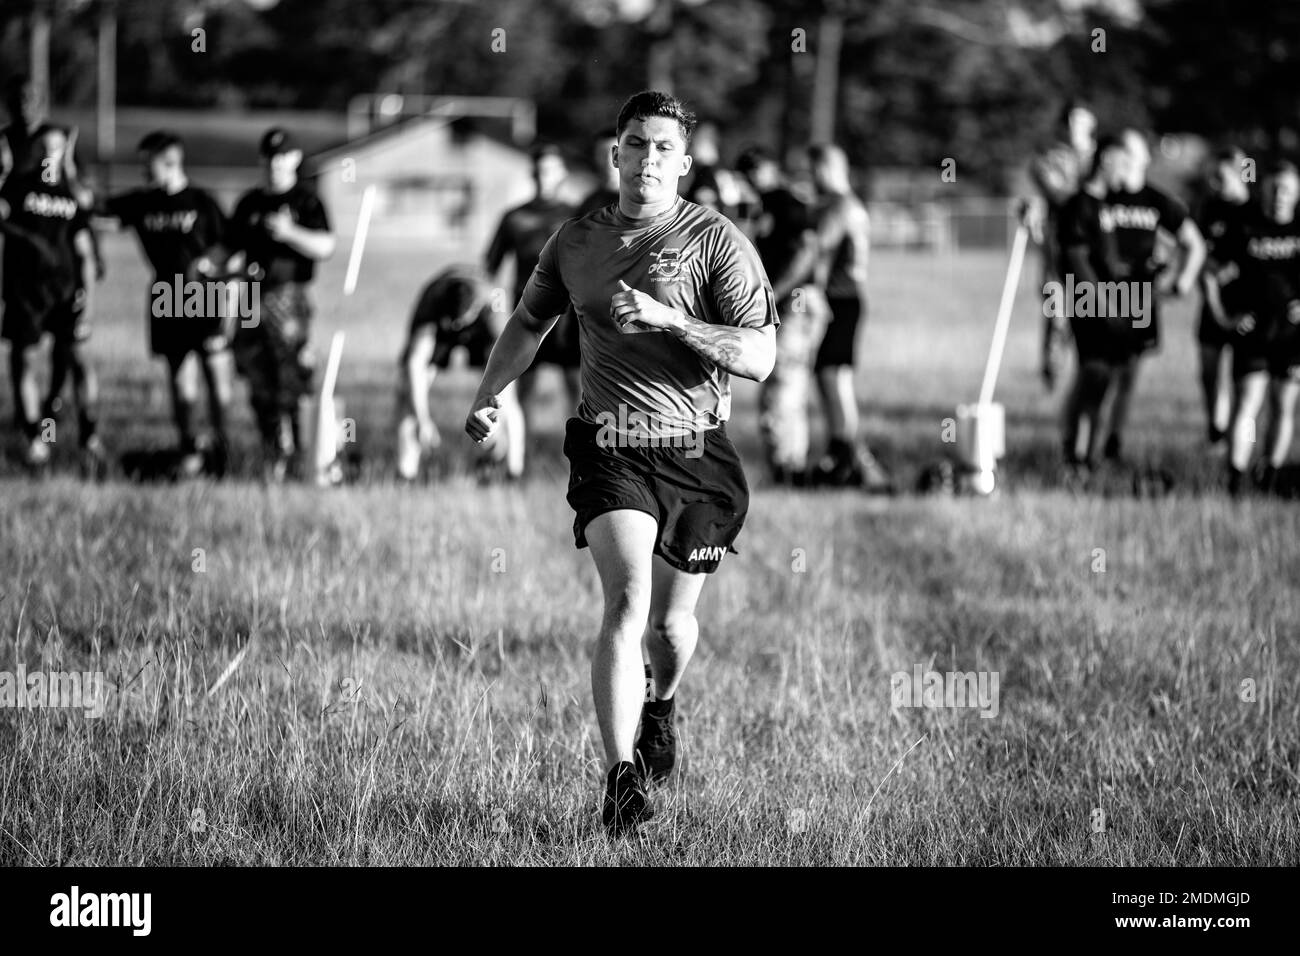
x: 1284, y: 351
x: 700, y: 502
x: 1210, y: 334
x: 64, y: 320
x: 1250, y: 353
x: 1098, y: 339
x: 840, y: 343
x: 177, y: 337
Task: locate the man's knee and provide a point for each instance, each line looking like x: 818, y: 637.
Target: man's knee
x: 626, y: 611
x: 674, y: 630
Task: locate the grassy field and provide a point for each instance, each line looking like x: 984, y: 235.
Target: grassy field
x: 382, y: 674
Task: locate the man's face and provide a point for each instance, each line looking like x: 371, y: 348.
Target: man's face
x: 26, y: 106
x: 549, y: 172
x: 51, y: 149
x: 764, y: 176
x: 651, y: 157
x: 1281, y: 193
x: 164, y: 167
x: 1114, y: 167
x: 1139, y: 158
x: 1083, y: 126
x: 282, y: 169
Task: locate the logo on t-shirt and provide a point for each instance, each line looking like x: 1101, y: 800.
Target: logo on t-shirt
x: 667, y: 265
x: 1135, y: 217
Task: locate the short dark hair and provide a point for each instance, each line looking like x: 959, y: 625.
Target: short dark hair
x: 1105, y: 142
x: 1281, y: 167
x: 1229, y: 154
x: 649, y: 103
x: 751, y: 157
x: 542, y: 150
x: 160, y: 139
x: 45, y: 129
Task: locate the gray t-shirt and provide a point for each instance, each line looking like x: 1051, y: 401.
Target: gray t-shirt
x: 691, y: 259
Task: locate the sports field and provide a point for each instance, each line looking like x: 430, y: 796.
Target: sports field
x: 409, y: 680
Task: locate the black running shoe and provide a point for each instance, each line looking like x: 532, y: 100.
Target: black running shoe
x: 625, y: 804
x: 656, y: 748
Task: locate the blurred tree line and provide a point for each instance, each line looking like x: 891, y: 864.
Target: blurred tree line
x: 902, y: 82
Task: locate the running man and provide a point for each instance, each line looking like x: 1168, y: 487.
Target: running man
x: 1261, y: 251
x: 1089, y: 253
x: 454, y: 310
x: 26, y: 110
x: 1058, y: 173
x: 280, y: 231
x: 787, y: 243
x: 1139, y: 212
x: 181, y: 228
x: 49, y: 279
x: 843, y: 235
x: 672, y: 300
x: 522, y: 234
x: 1227, y: 200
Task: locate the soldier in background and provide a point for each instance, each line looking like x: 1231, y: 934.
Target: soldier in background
x: 1058, y: 173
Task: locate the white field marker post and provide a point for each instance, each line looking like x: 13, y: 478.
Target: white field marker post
x: 1004, y: 316
x: 359, y: 240
x: 326, y: 423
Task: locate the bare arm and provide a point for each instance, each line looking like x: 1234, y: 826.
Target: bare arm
x: 513, y: 352
x: 1193, y: 246
x: 799, y: 270
x: 318, y: 244
x: 747, y: 352
x: 86, y: 260
x: 420, y: 375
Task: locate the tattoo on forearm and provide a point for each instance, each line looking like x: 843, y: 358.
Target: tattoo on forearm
x: 720, y: 344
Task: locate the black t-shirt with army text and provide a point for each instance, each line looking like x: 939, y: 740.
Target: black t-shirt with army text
x: 47, y: 217
x: 175, y: 229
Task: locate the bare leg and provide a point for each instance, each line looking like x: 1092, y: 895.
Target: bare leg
x: 840, y: 401
x: 26, y: 389
x: 622, y: 546
x: 1124, y: 379
x: 1217, y: 398
x: 526, y: 388
x: 85, y: 386
x: 1251, y: 391
x: 183, y: 379
x: 1283, y: 398
x: 674, y: 631
x: 219, y: 376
